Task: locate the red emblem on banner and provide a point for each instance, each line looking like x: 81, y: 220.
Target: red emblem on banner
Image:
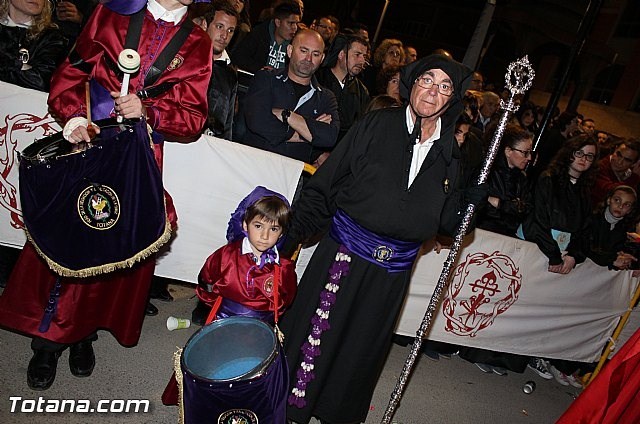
x: 483, y: 287
x: 18, y: 130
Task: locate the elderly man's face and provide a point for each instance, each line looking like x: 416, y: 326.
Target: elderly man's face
x: 427, y: 98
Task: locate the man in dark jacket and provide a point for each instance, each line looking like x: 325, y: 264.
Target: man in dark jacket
x: 288, y: 112
x: 266, y: 45
x: 221, y: 21
x: 344, y: 63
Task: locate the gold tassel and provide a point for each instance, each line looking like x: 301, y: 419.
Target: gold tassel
x: 178, y: 371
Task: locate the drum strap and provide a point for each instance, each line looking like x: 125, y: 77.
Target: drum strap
x: 276, y: 301
x: 214, y: 310
x: 132, y: 41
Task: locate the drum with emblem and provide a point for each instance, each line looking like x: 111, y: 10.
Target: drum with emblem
x: 94, y: 207
x: 233, y: 371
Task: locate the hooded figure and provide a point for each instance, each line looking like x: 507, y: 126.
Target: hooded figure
x: 388, y: 186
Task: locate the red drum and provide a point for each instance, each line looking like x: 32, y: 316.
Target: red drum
x: 94, y: 208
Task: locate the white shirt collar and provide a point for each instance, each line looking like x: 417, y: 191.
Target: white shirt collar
x: 420, y: 151
x: 225, y: 56
x: 411, y: 123
x: 171, y: 16
x: 7, y: 21
x: 246, y: 248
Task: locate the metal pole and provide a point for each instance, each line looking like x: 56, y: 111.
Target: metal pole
x: 384, y: 12
x: 518, y: 78
x: 477, y: 40
x: 583, y: 30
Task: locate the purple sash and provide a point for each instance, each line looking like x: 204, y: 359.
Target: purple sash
x: 229, y: 308
x: 393, y: 255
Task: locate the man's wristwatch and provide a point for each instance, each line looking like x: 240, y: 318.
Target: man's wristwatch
x: 286, y: 113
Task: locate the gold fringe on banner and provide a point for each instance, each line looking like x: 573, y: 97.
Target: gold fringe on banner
x: 103, y: 269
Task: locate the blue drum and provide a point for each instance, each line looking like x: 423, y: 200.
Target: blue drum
x: 234, y: 371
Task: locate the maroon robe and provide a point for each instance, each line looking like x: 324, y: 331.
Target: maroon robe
x: 227, y: 269
x: 114, y: 301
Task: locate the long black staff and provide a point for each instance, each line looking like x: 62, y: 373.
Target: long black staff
x: 518, y: 79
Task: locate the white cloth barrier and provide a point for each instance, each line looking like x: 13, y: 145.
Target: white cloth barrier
x: 207, y: 180
x: 503, y: 298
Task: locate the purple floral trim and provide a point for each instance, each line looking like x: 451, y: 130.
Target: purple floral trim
x: 319, y: 324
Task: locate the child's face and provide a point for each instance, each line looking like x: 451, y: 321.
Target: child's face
x: 620, y: 203
x: 263, y: 234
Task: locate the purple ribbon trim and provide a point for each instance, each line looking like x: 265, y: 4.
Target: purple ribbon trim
x: 51, y: 308
x: 394, y: 255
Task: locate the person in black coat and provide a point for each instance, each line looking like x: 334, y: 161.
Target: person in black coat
x: 606, y: 243
x: 510, y: 201
x: 31, y: 46
x: 510, y: 195
x: 559, y: 223
x: 562, y: 204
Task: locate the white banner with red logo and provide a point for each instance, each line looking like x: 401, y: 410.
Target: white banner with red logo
x: 501, y: 296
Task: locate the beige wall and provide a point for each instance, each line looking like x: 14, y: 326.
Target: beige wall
x: 615, y: 121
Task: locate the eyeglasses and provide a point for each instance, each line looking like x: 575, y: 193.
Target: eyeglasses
x: 626, y: 159
x: 525, y: 153
x: 444, y: 88
x: 580, y: 154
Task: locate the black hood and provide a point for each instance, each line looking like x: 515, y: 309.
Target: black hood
x: 460, y: 76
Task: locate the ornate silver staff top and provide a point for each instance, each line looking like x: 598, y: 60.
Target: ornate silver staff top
x: 518, y: 80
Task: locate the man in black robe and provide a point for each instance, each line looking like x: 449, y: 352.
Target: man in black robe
x: 389, y: 185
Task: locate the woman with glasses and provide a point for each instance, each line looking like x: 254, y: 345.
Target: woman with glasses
x: 559, y: 225
x: 510, y: 201
x: 562, y: 204
x: 510, y: 196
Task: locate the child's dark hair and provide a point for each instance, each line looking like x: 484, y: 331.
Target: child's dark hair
x: 271, y: 208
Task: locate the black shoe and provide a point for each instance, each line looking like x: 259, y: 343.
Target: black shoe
x: 151, y: 310
x: 82, y: 359
x: 402, y: 340
x: 162, y: 294
x: 42, y: 369
x: 200, y: 313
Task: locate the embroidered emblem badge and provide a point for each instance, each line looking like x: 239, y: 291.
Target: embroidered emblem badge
x: 268, y: 285
x: 175, y: 63
x: 483, y: 287
x: 382, y: 253
x: 99, y: 207
x: 238, y: 416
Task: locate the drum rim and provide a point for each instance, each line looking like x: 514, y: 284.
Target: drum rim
x: 57, y: 138
x: 255, y: 373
